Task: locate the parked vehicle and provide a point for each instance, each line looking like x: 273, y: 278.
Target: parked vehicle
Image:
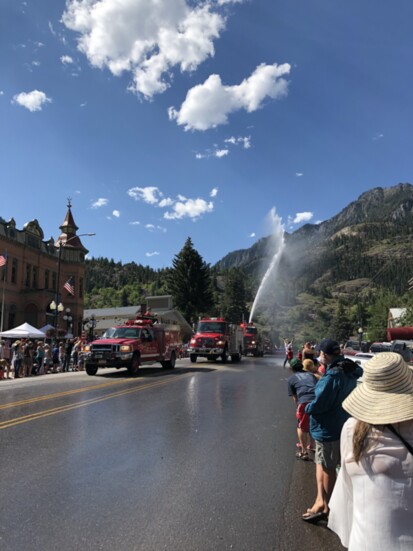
x: 252, y: 340
x: 216, y: 338
x: 138, y: 342
x: 377, y: 347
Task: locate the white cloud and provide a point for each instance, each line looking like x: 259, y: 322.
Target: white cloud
x: 149, y: 194
x: 1, y: 93
x: 152, y: 228
x: 116, y: 213
x: 299, y: 174
x: 66, y: 59
x: 223, y: 2
x: 135, y: 223
x: 36, y: 63
x: 378, y: 137
x: 155, y: 253
x: 146, y: 39
x: 83, y: 104
x: 244, y: 140
x: 189, y: 208
x: 300, y: 217
x: 33, y: 101
x: 208, y: 105
x: 101, y: 202
x: 182, y: 207
x: 221, y: 153
x: 51, y: 28
x: 214, y: 192
x: 252, y: 234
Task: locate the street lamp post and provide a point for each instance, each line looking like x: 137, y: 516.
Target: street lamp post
x: 360, y: 333
x: 68, y: 319
x: 56, y: 305
x: 92, y: 325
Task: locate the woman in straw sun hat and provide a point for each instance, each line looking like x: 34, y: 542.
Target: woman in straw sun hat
x: 371, y: 508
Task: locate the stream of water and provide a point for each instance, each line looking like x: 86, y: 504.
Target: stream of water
x: 277, y: 246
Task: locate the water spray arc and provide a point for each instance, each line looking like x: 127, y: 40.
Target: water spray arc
x: 277, y: 246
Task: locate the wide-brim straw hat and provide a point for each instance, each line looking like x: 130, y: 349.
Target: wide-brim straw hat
x: 386, y: 393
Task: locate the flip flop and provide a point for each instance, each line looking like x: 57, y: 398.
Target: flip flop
x: 313, y: 518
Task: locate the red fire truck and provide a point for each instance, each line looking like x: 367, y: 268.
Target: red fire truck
x: 252, y: 343
x: 141, y: 341
x: 216, y: 338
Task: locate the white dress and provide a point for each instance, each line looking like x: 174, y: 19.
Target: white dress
x: 371, y: 508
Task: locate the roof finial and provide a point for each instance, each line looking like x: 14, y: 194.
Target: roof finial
x: 69, y: 202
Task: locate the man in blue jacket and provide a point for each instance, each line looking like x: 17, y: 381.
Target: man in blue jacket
x: 327, y: 418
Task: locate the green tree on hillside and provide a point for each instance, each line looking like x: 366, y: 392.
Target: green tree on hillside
x: 341, y: 326
x: 234, y: 307
x: 189, y: 283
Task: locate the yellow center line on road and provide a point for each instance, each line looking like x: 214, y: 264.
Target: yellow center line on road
x: 62, y: 409
x: 58, y: 394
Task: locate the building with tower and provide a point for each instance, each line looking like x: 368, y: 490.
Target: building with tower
x: 42, y: 282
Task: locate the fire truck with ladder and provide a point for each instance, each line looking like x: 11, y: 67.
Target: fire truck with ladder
x: 252, y: 343
x: 216, y: 338
x: 138, y: 342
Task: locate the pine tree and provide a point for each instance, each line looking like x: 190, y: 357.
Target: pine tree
x: 189, y: 283
x: 341, y: 326
x: 234, y: 301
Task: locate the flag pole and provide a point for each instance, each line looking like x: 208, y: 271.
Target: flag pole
x: 2, y: 296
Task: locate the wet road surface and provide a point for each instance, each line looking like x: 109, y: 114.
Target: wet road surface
x: 195, y: 459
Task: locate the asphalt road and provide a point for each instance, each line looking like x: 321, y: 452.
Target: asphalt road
x: 195, y: 459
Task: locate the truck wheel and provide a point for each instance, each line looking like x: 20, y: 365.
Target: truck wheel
x: 91, y: 369
x: 224, y: 356
x: 133, y: 367
x: 193, y: 357
x: 170, y: 364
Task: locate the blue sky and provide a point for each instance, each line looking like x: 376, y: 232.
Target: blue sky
x: 176, y: 118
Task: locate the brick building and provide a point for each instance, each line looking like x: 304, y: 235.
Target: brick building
x: 34, y: 269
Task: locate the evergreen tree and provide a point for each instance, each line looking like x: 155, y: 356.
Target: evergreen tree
x: 189, y: 283
x: 234, y: 307
x: 341, y: 326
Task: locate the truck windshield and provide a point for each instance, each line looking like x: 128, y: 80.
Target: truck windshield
x: 251, y: 330
x: 122, y: 333
x: 211, y: 327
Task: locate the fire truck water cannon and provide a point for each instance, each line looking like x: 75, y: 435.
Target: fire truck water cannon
x: 214, y: 338
x: 138, y: 342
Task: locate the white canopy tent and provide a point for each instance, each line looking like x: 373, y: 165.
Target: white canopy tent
x: 24, y: 331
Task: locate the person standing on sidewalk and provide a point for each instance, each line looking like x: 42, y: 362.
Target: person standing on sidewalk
x: 327, y: 418
x: 372, y: 503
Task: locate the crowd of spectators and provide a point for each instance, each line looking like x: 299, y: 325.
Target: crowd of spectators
x: 363, y: 435
x: 28, y: 357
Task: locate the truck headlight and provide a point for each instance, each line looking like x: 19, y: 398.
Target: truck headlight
x: 126, y: 348
x: 86, y: 348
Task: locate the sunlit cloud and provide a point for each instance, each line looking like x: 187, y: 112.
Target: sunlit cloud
x: 300, y: 217
x: 180, y: 207
x: 154, y: 253
x: 378, y: 137
x: 101, y: 202
x: 116, y: 213
x: 33, y: 101
x: 299, y: 174
x: 135, y: 223
x: 153, y: 228
x: 66, y: 60
x: 150, y: 40
x: 208, y: 105
x: 252, y: 234
x: 245, y: 141
x: 213, y: 192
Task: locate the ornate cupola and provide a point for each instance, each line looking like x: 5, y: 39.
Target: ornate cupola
x: 74, y: 250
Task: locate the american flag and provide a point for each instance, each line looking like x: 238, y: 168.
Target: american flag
x: 70, y: 286
x: 3, y: 259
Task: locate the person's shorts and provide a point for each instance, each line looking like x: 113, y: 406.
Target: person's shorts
x: 327, y: 454
x: 303, y: 419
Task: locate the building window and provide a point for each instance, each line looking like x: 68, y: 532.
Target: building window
x: 28, y: 274
x: 34, y: 280
x: 54, y: 281
x: 81, y: 287
x: 46, y: 279
x: 12, y: 316
x: 14, y: 270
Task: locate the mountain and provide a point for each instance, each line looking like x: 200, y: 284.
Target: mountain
x: 364, y: 250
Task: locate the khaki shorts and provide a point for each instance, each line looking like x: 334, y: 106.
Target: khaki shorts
x: 327, y: 454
